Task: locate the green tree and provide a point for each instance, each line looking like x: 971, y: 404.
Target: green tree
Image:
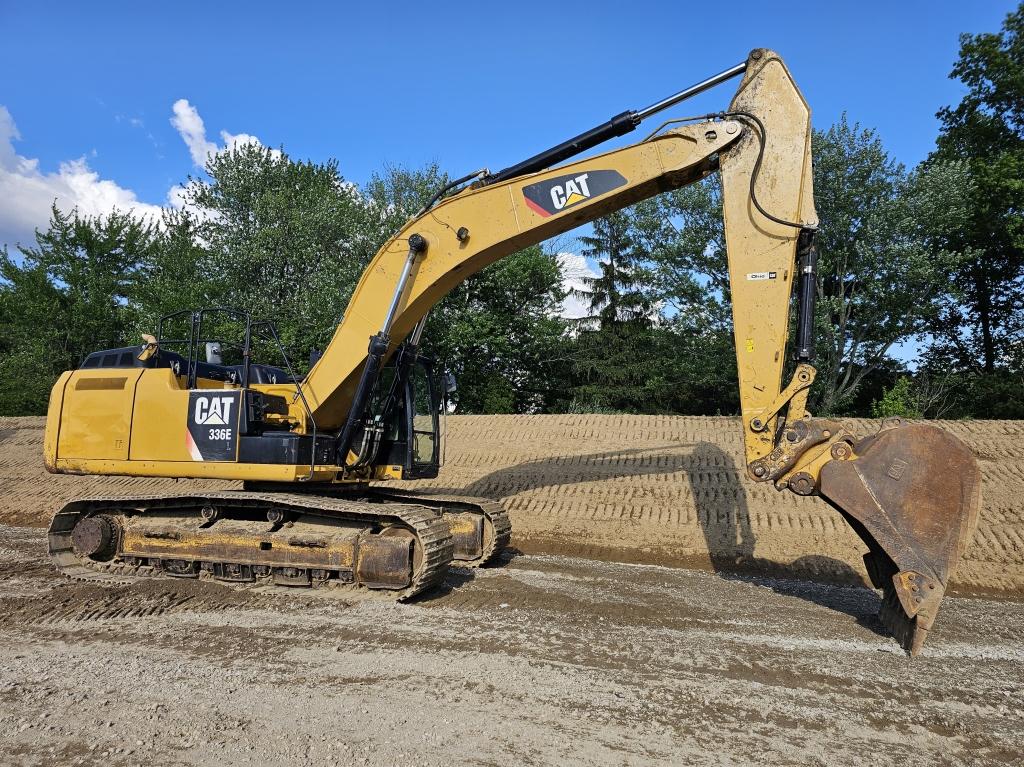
x: 614, y: 364
x: 981, y: 327
x: 665, y: 367
x: 392, y: 197
x: 898, y: 400
x: 69, y: 295
x: 885, y: 245
x: 29, y: 340
x: 886, y: 254
x: 179, y: 275
x: 683, y: 236
x: 682, y: 232
x: 501, y: 335
x: 615, y: 295
x: 282, y: 239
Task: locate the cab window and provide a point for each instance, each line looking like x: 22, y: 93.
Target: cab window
x: 424, y: 417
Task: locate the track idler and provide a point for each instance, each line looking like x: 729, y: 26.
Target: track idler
x: 912, y: 492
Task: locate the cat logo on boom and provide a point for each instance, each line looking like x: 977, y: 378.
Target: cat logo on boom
x: 546, y: 198
x: 575, y: 190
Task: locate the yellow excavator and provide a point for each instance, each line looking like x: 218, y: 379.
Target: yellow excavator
x: 320, y: 455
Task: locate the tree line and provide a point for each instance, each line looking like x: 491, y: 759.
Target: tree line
x: 920, y: 285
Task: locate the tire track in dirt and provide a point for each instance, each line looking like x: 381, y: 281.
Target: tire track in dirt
x: 647, y: 489
x: 79, y: 603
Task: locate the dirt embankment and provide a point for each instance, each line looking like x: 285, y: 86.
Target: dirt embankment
x: 645, y: 489
x: 672, y: 490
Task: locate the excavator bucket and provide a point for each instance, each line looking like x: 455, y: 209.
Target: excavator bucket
x: 912, y: 492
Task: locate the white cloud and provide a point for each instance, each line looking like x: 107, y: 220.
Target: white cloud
x: 235, y: 140
x: 190, y: 126
x: 575, y: 268
x: 176, y: 197
x: 26, y: 193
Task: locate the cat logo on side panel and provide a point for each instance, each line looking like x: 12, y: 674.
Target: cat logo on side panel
x: 213, y: 411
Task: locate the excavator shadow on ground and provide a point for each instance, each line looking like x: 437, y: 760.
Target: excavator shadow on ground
x: 724, y: 519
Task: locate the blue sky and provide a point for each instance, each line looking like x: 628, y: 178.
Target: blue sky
x: 90, y: 88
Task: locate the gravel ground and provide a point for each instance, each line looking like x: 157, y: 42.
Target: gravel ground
x: 545, y: 659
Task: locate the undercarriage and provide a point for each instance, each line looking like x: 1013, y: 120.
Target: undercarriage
x: 389, y: 542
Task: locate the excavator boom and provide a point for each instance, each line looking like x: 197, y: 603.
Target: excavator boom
x: 910, y: 492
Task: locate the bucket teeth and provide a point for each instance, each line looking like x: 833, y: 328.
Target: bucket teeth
x: 908, y: 631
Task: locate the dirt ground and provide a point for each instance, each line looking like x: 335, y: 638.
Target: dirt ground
x: 564, y: 653
x: 541, y: 660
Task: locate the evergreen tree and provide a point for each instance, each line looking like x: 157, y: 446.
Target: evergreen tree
x: 612, y: 363
x: 615, y: 296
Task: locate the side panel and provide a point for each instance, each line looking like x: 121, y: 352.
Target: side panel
x: 53, y: 411
x: 175, y: 424
x: 96, y: 416
x: 95, y: 430
x: 159, y: 425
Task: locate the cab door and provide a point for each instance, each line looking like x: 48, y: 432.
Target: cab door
x: 423, y: 407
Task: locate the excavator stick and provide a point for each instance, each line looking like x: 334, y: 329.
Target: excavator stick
x: 912, y: 492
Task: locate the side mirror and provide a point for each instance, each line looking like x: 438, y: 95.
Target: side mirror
x: 213, y: 352
x: 149, y: 348
x: 450, y: 385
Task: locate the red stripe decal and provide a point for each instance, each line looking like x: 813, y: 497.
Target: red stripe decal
x: 535, y: 207
x: 192, y: 448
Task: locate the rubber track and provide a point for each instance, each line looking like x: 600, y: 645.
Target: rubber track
x: 491, y: 509
x: 430, y: 530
